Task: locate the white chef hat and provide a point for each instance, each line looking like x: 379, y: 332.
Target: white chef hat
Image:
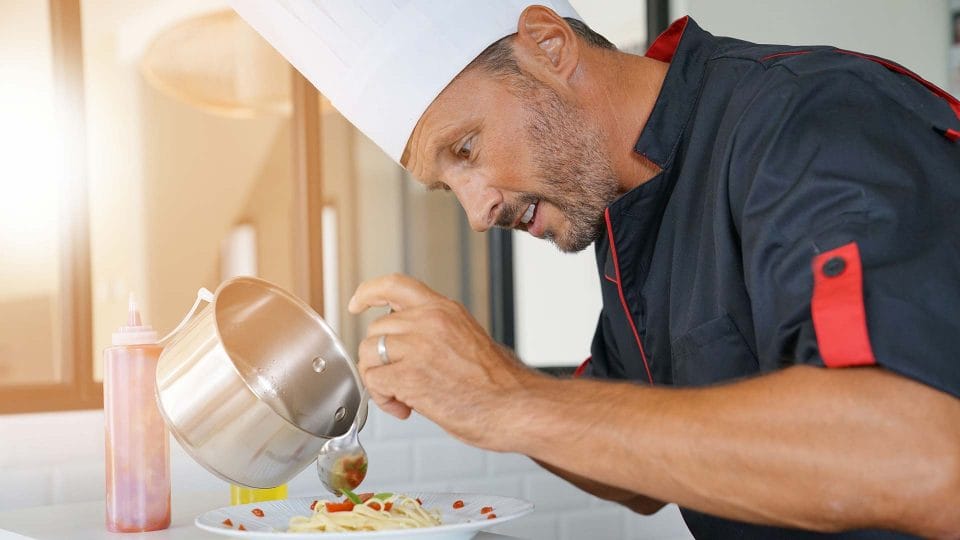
x: 382, y: 62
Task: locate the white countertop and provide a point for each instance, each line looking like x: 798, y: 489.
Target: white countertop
x: 85, y: 521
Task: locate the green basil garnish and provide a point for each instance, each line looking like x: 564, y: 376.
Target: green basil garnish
x: 351, y: 496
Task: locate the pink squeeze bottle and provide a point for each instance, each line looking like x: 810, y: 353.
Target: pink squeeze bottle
x: 137, y: 441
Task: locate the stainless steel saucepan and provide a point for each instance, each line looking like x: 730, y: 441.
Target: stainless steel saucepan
x: 256, y: 383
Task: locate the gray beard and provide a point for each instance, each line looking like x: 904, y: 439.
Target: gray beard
x: 579, y: 178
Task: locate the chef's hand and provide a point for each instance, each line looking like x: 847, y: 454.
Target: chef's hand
x: 441, y: 361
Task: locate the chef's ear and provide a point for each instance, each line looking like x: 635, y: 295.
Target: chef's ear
x: 546, y: 42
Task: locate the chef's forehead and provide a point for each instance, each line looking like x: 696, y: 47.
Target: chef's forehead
x: 495, y: 59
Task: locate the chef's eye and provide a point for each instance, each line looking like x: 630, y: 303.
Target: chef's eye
x: 465, y: 150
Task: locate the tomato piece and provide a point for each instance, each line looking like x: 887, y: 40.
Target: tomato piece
x: 374, y: 505
x: 241, y: 527
x: 458, y: 503
x: 353, y: 478
x: 257, y: 512
x: 227, y: 522
x: 491, y: 516
x: 344, y: 506
x: 486, y: 510
x: 364, y: 497
x: 313, y: 505
x: 419, y: 501
x: 388, y: 506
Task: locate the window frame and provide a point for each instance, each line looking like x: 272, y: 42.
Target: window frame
x: 78, y: 389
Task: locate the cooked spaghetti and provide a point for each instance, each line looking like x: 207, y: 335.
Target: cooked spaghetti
x: 366, y: 512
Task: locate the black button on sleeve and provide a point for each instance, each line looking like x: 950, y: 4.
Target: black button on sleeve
x: 834, y: 267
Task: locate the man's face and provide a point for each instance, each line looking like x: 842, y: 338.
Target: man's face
x: 516, y: 155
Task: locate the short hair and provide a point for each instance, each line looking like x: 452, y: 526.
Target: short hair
x: 498, y: 57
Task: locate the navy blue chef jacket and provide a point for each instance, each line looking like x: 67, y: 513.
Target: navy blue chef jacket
x: 808, y: 212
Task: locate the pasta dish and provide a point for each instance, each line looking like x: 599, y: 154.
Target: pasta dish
x: 366, y: 512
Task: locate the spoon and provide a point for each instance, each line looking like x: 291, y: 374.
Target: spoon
x: 342, y: 462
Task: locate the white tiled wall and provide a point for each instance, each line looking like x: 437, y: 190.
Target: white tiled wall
x: 58, y: 458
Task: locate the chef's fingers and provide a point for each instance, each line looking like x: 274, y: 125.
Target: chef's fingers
x: 383, y: 380
x: 369, y: 357
x: 395, y: 408
x: 378, y: 386
x: 389, y: 404
x: 396, y: 347
x: 409, y: 321
x: 395, y: 290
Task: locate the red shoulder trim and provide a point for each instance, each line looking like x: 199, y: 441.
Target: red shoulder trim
x: 839, y: 317
x: 954, y: 104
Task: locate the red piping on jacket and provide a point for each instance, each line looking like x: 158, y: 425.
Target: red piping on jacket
x: 623, y: 300
x: 778, y: 55
x: 582, y: 367
x: 952, y: 101
x: 954, y: 104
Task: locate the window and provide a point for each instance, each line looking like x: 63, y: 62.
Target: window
x: 118, y: 183
x: 45, y: 360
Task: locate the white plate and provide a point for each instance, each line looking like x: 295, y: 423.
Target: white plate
x: 459, y: 524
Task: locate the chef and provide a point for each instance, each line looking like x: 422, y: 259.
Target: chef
x: 777, y: 233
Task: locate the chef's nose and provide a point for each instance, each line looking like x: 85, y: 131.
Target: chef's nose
x: 481, y: 204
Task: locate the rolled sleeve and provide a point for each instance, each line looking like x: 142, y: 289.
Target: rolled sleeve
x: 844, y: 166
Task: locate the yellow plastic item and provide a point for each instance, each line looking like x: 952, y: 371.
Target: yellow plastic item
x: 244, y: 495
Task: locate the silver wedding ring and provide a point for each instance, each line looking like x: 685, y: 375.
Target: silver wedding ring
x: 382, y: 349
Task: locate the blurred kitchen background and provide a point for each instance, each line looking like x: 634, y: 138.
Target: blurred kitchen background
x: 159, y: 146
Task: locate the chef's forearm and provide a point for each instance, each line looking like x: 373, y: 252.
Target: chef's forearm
x: 806, y: 447
x: 636, y: 502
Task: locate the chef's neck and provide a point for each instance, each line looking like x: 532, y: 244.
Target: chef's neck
x: 619, y: 91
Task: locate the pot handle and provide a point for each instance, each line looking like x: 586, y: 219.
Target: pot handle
x: 203, y: 295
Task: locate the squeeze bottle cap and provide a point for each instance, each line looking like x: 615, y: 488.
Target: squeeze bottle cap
x: 134, y: 332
